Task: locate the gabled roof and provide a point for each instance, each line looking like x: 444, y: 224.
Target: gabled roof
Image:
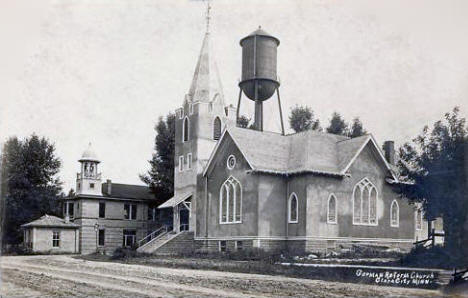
x: 305, y: 152
x: 127, y: 191
x: 206, y: 83
x: 50, y: 221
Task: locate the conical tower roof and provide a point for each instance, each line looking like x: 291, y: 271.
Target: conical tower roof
x: 206, y: 83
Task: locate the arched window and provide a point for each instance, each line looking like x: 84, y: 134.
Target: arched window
x: 185, y: 130
x: 332, y: 210
x: 419, y: 219
x: 216, y: 129
x: 292, y: 209
x: 394, y: 214
x: 230, y: 201
x: 365, y: 203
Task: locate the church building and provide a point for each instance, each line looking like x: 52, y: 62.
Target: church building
x: 238, y: 188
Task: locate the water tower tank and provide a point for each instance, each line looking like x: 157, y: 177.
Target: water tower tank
x: 259, y: 80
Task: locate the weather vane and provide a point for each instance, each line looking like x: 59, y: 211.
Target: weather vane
x: 208, y: 17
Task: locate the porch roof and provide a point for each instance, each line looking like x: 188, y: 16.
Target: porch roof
x: 175, y: 200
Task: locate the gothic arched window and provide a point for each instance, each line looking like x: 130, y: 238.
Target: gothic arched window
x: 365, y: 203
x: 216, y: 129
x: 332, y: 209
x: 292, y: 209
x: 230, y: 201
x: 394, y: 214
x: 185, y: 130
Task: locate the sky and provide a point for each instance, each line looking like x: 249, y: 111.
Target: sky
x: 104, y: 71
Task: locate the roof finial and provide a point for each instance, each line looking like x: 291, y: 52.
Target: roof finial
x: 208, y: 17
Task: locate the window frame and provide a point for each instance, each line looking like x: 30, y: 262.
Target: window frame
x: 104, y: 210
x: 365, y: 184
x: 186, y: 129
x: 67, y: 210
x: 231, y: 157
x: 56, y: 239
x: 236, y: 245
x: 130, y: 234
x: 335, y: 221
x: 181, y: 163
x: 396, y: 223
x: 290, y: 220
x: 189, y: 161
x: 132, y: 211
x: 229, y: 183
x: 217, y: 131
x: 103, y: 243
x: 220, y: 245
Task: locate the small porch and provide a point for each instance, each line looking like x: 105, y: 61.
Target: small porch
x: 182, y: 212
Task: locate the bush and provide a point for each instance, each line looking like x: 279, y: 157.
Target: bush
x: 433, y: 257
x: 124, y: 254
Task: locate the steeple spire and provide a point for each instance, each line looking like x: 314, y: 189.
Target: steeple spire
x: 206, y: 84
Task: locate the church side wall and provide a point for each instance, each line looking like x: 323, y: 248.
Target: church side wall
x: 272, y: 206
x: 320, y: 188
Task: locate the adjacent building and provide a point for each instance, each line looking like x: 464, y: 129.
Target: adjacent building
x: 102, y: 216
x: 51, y: 234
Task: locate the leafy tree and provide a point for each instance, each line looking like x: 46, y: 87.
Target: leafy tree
x: 29, y: 183
x: 337, y: 125
x: 243, y: 122
x: 302, y: 119
x: 160, y: 177
x: 357, y: 129
x: 435, y: 163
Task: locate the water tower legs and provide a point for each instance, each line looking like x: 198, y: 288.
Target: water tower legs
x: 258, y: 124
x: 280, y: 111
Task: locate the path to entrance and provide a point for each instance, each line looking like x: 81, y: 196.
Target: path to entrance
x: 64, y: 276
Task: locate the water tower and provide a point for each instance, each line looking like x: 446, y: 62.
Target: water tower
x: 259, y: 80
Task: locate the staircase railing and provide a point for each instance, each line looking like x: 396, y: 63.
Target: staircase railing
x: 155, y: 234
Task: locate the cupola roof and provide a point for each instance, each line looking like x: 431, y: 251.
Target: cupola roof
x: 89, y: 155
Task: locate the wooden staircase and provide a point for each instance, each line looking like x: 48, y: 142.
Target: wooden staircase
x: 166, y: 242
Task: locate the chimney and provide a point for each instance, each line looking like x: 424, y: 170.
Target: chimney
x: 109, y: 187
x: 389, y: 149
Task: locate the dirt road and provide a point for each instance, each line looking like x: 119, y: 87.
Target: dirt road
x: 64, y: 276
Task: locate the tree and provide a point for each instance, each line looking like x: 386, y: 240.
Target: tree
x: 30, y: 183
x: 160, y: 177
x: 435, y: 163
x: 337, y: 125
x: 243, y: 122
x: 357, y: 129
x: 302, y: 119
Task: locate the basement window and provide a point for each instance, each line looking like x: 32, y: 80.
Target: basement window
x: 222, y: 246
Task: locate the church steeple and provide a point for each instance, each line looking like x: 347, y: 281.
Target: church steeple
x: 206, y: 84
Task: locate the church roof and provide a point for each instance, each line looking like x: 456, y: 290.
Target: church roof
x: 305, y: 152
x: 206, y: 83
x: 50, y: 221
